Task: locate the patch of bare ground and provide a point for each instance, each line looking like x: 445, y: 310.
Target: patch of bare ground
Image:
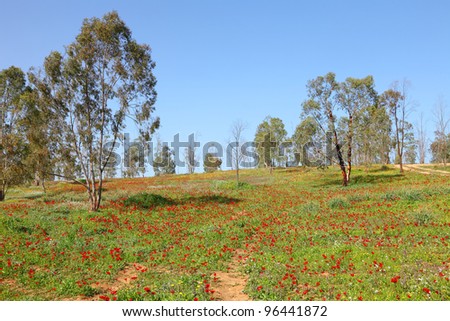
x: 424, y: 170
x: 124, y: 278
x: 230, y: 285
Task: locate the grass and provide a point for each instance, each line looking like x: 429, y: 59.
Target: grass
x: 299, y: 235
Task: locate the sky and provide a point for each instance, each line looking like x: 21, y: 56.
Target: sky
x: 220, y: 61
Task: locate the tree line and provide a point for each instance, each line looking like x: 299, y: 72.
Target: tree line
x: 65, y: 118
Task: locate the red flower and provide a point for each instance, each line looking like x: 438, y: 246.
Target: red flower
x: 395, y: 279
x: 427, y: 290
x: 147, y: 289
x: 259, y: 288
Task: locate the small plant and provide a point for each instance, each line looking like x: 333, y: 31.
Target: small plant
x: 311, y: 208
x: 390, y: 196
x: 412, y: 195
x: 422, y: 217
x: 147, y: 200
x: 338, y: 202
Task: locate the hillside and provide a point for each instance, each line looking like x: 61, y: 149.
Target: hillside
x: 293, y: 235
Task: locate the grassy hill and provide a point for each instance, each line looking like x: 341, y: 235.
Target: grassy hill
x: 293, y: 235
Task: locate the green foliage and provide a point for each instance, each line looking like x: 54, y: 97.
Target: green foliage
x: 231, y: 185
x: 164, y: 163
x: 211, y: 163
x: 338, y: 202
x: 147, y: 200
x: 103, y: 77
x: 269, y: 136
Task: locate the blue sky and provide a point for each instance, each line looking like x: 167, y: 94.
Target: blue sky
x: 218, y: 61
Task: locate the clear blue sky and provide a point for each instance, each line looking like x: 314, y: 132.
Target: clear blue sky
x: 218, y: 61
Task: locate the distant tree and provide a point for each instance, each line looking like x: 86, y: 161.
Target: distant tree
x: 373, y: 136
x: 410, y: 146
x: 104, y: 77
x: 13, y: 146
x: 305, y: 133
x: 441, y: 141
x: 135, y: 163
x: 191, y: 157
x: 211, y: 163
x: 396, y: 101
x: 269, y: 137
x: 440, y: 151
x: 237, y: 156
x: 164, y: 163
x: 421, y: 141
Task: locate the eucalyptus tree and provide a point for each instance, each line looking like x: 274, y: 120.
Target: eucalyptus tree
x: 13, y: 147
x: 354, y: 96
x: 322, y: 105
x: 395, y: 100
x: 104, y: 78
x: 269, y: 136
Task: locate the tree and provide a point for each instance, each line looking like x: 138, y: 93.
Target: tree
x: 211, y: 163
x: 354, y: 96
x: 440, y: 152
x: 237, y: 129
x: 269, y: 137
x: 190, y: 155
x: 134, y: 161
x: 13, y: 147
x: 441, y: 141
x: 421, y: 141
x: 321, y: 105
x: 164, y: 163
x: 305, y: 133
x: 104, y: 77
x: 396, y: 101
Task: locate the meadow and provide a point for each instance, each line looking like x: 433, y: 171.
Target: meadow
x: 295, y: 234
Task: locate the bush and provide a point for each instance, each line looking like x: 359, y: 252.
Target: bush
x: 147, y: 200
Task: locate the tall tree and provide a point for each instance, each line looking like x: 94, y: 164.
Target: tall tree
x: 354, y: 96
x: 13, y: 147
x: 322, y: 106
x: 104, y: 77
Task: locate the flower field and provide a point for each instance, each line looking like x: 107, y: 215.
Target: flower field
x: 293, y: 235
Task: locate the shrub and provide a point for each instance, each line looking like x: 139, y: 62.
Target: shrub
x: 147, y: 200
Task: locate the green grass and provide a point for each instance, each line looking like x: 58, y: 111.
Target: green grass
x: 299, y: 235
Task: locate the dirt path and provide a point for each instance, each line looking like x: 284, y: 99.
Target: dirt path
x: 230, y: 285
x: 419, y: 168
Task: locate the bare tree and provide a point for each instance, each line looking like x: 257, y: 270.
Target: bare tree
x: 421, y: 140
x: 442, y: 122
x: 237, y: 130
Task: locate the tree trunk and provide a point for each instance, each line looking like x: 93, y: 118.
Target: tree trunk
x: 2, y: 196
